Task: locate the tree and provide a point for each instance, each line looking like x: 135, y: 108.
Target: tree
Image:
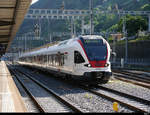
x: 133, y: 24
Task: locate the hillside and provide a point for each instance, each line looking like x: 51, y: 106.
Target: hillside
x: 84, y: 4
x: 101, y: 21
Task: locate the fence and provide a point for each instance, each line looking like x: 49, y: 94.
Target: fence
x: 132, y: 62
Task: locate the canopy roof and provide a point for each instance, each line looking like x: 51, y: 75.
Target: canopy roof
x: 12, y: 14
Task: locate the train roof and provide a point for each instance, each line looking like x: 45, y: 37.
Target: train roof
x: 92, y: 37
x: 50, y: 47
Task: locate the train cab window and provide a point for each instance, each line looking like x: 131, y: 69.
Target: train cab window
x: 78, y: 58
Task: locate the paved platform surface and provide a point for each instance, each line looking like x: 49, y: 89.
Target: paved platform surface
x: 10, y: 98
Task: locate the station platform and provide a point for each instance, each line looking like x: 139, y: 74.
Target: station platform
x: 10, y: 98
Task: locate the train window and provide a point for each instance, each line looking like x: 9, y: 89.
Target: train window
x: 78, y: 57
x: 63, y: 60
x: 60, y: 44
x: 52, y: 60
x: 56, y: 60
x: 63, y: 43
x: 49, y: 59
x: 40, y: 59
x: 45, y: 58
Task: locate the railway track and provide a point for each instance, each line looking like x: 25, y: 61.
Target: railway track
x: 133, y: 103
x: 131, y: 78
x: 40, y: 108
x: 138, y: 99
x: 138, y: 76
x: 141, y: 73
x: 62, y: 100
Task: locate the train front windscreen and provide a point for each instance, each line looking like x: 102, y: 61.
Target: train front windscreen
x: 95, y: 49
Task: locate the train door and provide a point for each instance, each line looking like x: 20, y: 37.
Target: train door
x: 47, y: 61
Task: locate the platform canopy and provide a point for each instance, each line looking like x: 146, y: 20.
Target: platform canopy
x: 12, y: 14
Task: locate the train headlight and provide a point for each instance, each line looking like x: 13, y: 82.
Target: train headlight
x: 87, y: 65
x: 106, y: 65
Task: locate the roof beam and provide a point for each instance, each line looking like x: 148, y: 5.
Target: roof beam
x: 5, y: 23
x: 6, y: 18
x: 14, y: 17
x: 4, y: 40
x: 4, y: 36
x: 7, y: 7
x: 4, y: 29
x: 14, y: 14
x: 17, y: 15
x: 3, y: 45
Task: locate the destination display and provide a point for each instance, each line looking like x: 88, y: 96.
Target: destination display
x: 87, y: 41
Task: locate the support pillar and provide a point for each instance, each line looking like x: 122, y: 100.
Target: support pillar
x: 71, y: 28
x: 91, y: 17
x: 74, y: 28
x: 148, y: 23
x: 114, y: 48
x: 82, y: 26
x: 126, y: 50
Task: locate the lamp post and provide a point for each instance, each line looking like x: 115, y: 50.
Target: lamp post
x: 149, y: 23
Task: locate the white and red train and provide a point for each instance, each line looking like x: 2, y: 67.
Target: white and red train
x: 85, y: 57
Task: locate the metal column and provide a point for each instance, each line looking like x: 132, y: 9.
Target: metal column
x: 126, y: 39
x: 82, y: 26
x: 148, y: 23
x: 74, y: 28
x: 114, y: 48
x: 71, y: 28
x: 126, y: 49
x: 91, y: 17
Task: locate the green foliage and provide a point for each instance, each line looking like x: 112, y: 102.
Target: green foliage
x: 110, y: 39
x: 102, y: 22
x: 109, y: 22
x: 113, y: 28
x: 145, y: 7
x: 133, y: 24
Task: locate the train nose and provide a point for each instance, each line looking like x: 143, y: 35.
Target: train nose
x: 99, y: 64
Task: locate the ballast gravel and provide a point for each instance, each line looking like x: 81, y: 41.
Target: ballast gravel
x: 128, y: 88
x: 83, y: 99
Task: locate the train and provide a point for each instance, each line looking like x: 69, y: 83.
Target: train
x: 84, y: 57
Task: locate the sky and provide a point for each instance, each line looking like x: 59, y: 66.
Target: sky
x: 33, y: 1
